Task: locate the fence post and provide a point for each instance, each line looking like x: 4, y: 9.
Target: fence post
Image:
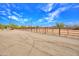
x: 45, y: 30
x: 67, y: 31
x: 59, y: 31
x: 52, y: 30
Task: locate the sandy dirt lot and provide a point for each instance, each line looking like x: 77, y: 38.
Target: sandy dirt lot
x: 25, y: 43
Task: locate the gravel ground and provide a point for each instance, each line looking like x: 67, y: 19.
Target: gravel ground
x: 24, y: 43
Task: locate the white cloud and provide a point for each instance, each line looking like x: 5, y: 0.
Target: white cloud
x: 40, y: 20
x: 16, y: 14
x: 21, y: 20
x: 8, y: 11
x: 51, y: 16
x: 48, y: 7
x: 13, y: 17
x: 57, y: 12
x: 25, y: 20
x: 46, y: 18
x: 3, y: 12
x: 8, y: 4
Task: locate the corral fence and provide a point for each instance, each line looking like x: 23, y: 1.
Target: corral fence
x: 55, y: 31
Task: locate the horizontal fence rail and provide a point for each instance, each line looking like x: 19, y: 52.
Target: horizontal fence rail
x: 53, y: 31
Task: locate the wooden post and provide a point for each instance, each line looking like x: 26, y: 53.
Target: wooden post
x: 45, y: 30
x: 52, y: 30
x: 59, y: 31
x: 67, y: 31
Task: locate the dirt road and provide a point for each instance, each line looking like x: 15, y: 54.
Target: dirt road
x: 24, y: 43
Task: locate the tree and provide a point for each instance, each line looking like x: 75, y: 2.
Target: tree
x: 75, y: 27
x: 60, y: 26
x: 2, y: 26
x: 12, y: 26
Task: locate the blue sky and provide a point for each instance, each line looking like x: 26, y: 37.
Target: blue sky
x: 39, y: 14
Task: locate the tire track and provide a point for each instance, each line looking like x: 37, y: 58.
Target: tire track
x: 59, y: 44
x: 28, y: 39
x: 32, y: 37
x: 33, y: 46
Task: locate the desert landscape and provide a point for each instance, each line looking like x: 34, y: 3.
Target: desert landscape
x: 39, y: 29
x: 27, y: 43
